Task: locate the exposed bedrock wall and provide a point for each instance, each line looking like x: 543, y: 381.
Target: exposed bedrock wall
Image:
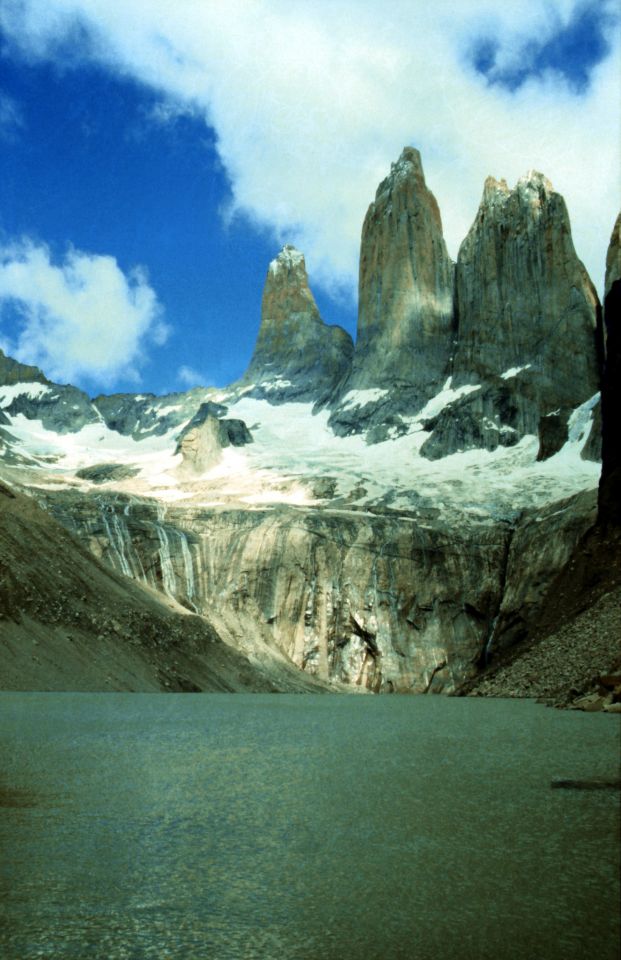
x: 376, y: 601
x: 405, y: 312
x: 524, y: 297
x: 528, y: 325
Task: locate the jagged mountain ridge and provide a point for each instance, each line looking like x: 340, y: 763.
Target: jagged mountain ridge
x: 339, y: 501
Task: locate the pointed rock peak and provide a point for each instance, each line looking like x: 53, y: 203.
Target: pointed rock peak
x: 286, y: 289
x: 493, y: 188
x: 288, y: 259
x: 534, y: 186
x: 409, y: 162
x: 409, y: 167
x: 296, y: 356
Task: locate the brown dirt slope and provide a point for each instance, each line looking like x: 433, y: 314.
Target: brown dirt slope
x: 68, y: 622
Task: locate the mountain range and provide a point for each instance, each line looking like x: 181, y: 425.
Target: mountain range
x: 387, y: 515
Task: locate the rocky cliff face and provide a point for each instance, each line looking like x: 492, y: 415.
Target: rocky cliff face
x: 405, y: 319
x: 26, y: 391
x: 527, y: 324
x: 610, y: 485
x: 12, y: 372
x: 374, y: 601
x: 69, y: 622
x: 512, y: 336
x: 524, y: 299
x: 145, y: 414
x: 297, y: 356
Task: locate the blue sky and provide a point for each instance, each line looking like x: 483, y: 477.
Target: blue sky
x: 154, y: 159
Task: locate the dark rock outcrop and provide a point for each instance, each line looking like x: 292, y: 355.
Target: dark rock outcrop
x: 145, y: 414
x: 12, y: 372
x: 405, y: 320
x: 487, y: 417
x: 61, y: 408
x: 106, y: 472
x: 297, y: 356
x: 610, y: 484
x: 553, y: 433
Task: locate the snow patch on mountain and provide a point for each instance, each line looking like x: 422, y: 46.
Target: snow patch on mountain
x: 360, y: 398
x: 442, y: 399
x: 296, y: 458
x: 513, y: 372
x: 8, y: 392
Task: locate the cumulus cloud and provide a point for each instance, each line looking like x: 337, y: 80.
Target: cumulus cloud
x: 82, y: 319
x: 311, y: 103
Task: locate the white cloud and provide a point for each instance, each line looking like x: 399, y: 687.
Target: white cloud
x: 190, y: 377
x: 312, y: 101
x: 83, y: 319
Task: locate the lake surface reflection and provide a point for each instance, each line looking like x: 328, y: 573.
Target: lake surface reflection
x: 342, y: 827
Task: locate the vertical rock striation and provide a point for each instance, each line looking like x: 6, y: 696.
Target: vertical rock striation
x: 297, y: 356
x: 364, y: 599
x: 527, y: 323
x: 405, y: 320
x: 524, y: 299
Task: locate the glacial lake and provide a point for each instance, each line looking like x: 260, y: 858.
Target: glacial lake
x: 230, y: 827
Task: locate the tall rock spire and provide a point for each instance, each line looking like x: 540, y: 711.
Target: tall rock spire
x: 528, y: 328
x: 405, y: 297
x: 297, y: 356
x: 524, y: 299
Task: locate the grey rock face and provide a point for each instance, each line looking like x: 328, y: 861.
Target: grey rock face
x: 526, y: 308
x: 297, y: 356
x: 140, y: 415
x: 488, y: 417
x: 368, y: 600
x: 405, y: 321
x: 523, y: 297
x: 592, y: 449
x: 540, y: 547
x: 12, y: 372
x: 63, y: 409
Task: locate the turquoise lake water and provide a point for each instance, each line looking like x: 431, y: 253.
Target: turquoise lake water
x: 311, y: 827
